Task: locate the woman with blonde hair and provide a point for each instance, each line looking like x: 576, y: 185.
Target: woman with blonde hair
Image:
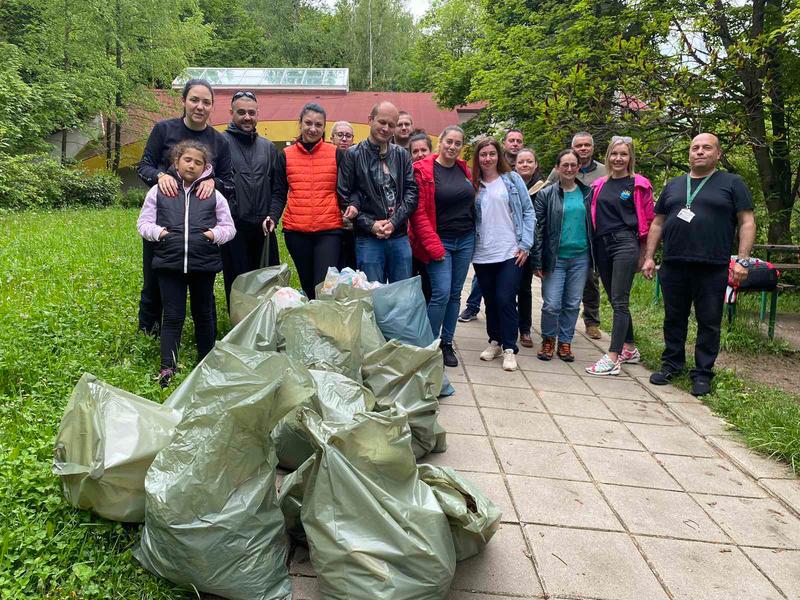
x: 622, y: 210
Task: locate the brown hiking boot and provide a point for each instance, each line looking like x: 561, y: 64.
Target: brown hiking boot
x: 593, y: 331
x: 565, y: 352
x: 525, y: 340
x: 546, y: 351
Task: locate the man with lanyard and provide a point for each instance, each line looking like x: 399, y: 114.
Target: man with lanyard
x: 376, y: 183
x: 697, y: 215
x: 588, y: 172
x: 513, y: 142
x: 404, y: 131
x: 253, y: 158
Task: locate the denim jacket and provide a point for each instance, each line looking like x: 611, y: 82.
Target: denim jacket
x: 521, y: 209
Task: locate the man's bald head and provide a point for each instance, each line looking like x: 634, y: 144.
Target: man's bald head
x: 383, y: 122
x: 707, y: 138
x: 384, y: 106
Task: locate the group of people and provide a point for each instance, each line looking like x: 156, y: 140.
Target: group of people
x: 392, y: 208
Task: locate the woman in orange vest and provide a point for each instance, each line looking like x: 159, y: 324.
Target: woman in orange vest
x: 305, y: 185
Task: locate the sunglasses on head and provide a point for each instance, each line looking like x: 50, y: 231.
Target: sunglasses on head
x: 243, y: 94
x: 620, y: 138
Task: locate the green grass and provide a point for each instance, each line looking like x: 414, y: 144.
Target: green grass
x: 769, y: 419
x: 69, y: 292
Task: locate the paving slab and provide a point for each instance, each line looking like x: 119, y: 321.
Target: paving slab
x: 494, y: 486
x: 575, y: 405
x: 504, y: 567
x: 527, y: 361
x: 539, y: 459
x: 754, y: 521
x: 508, y: 398
x: 466, y: 344
x: 594, y: 432
x: 606, y: 387
x: 710, y: 476
x: 559, y: 502
x: 703, y: 571
x: 666, y: 393
x: 700, y: 418
x: 672, y: 440
x: 467, y: 453
x: 781, y: 566
x: 456, y: 375
x: 493, y: 374
x: 461, y: 419
x: 581, y: 563
x: 555, y: 382
x: 787, y: 490
x: 460, y: 595
x: 662, y: 513
x: 636, y: 411
x: 625, y: 467
x: 754, y: 464
x: 462, y: 397
x: 523, y: 425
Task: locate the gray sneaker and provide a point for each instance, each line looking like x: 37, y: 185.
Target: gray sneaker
x: 468, y: 315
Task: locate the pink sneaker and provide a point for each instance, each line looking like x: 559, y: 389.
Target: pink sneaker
x: 630, y: 357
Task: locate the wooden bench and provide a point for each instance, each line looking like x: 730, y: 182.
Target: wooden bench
x: 767, y: 250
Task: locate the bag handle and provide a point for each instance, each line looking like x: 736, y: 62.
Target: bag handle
x: 265, y: 252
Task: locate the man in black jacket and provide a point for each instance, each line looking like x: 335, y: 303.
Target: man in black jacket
x: 253, y: 158
x: 376, y: 183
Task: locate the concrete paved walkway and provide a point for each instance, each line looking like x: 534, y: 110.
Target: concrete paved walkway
x: 610, y: 488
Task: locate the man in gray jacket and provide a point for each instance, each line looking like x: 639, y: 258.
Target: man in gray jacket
x: 253, y: 158
x: 589, y: 170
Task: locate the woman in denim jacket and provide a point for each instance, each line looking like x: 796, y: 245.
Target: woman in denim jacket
x: 504, y: 224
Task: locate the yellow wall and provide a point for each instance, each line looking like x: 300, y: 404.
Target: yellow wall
x: 277, y: 131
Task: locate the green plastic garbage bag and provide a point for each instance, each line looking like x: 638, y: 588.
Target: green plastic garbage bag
x: 374, y: 530
x: 371, y: 336
x: 258, y: 330
x: 212, y: 518
x: 290, y: 499
x: 324, y: 335
x: 337, y: 399
x: 408, y: 378
x: 473, y: 518
x: 106, y: 442
x: 249, y: 289
x: 402, y: 314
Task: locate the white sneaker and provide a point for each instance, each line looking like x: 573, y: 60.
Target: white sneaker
x: 492, y: 351
x: 509, y: 360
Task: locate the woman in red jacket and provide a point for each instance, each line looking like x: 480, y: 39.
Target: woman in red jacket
x: 305, y: 185
x: 443, y: 232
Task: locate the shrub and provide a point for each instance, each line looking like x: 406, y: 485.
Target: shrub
x: 38, y: 181
x: 132, y: 198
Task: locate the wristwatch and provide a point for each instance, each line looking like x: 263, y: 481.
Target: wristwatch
x: 744, y: 262
x: 159, y: 174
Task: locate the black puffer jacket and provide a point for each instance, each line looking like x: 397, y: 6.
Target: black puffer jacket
x: 185, y: 248
x: 253, y: 159
x: 548, y: 204
x: 359, y: 185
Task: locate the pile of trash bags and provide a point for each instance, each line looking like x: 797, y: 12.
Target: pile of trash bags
x: 313, y: 388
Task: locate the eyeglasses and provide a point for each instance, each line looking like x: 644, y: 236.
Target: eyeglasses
x: 621, y: 138
x: 343, y: 136
x: 243, y: 94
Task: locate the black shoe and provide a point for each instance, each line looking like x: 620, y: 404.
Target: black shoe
x: 449, y: 355
x: 701, y: 386
x: 468, y: 315
x: 662, y: 377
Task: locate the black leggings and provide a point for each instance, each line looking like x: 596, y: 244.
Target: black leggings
x: 173, y: 286
x: 312, y: 254
x: 618, y: 261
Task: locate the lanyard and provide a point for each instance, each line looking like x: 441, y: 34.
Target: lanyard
x: 690, y: 196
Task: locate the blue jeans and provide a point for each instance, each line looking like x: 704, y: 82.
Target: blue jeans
x: 384, y: 260
x: 474, y: 299
x: 562, y: 291
x: 447, y: 278
x: 500, y: 284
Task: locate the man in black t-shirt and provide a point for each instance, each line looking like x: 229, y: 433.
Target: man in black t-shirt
x: 697, y: 215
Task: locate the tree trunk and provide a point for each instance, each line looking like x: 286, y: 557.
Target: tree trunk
x: 118, y: 95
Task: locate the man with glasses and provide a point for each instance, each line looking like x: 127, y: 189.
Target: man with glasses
x: 253, y: 158
x: 376, y: 183
x: 588, y: 171
x: 342, y: 135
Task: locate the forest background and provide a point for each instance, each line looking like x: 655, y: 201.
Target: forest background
x: 659, y: 71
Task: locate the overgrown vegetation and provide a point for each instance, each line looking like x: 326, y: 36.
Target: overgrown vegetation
x: 768, y: 418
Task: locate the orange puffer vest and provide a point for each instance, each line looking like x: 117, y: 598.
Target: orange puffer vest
x: 312, y: 204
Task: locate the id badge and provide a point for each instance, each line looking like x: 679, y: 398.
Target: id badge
x: 686, y: 214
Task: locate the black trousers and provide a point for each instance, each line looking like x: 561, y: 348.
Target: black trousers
x: 150, y: 297
x: 618, y: 260
x: 684, y: 284
x: 500, y: 284
x: 243, y: 254
x: 591, y: 299
x: 312, y: 254
x: 173, y: 286
x: 347, y: 256
x: 420, y: 268
x: 525, y: 298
